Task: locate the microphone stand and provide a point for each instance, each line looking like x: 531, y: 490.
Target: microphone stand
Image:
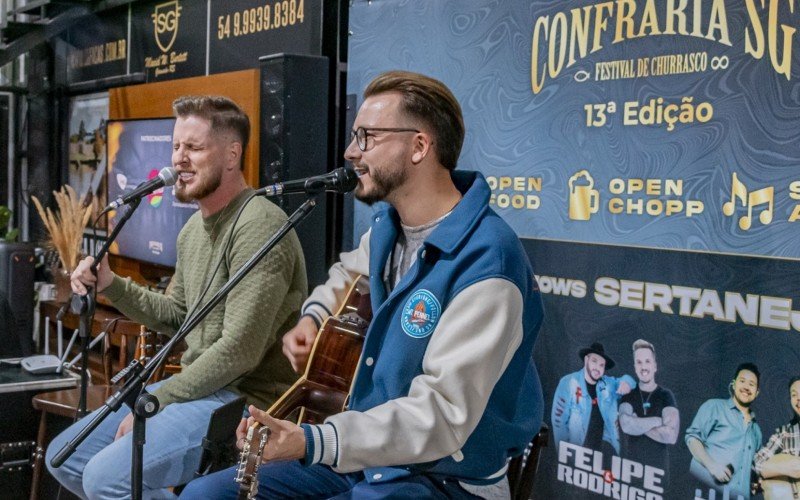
x: 133, y: 393
x: 84, y: 307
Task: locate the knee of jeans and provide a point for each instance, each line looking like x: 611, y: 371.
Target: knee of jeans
x: 213, y: 486
x: 104, y: 480
x: 194, y: 489
x: 52, y: 449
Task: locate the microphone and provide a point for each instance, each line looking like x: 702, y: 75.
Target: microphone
x: 166, y: 177
x: 341, y: 180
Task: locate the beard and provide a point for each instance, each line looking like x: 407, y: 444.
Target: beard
x: 204, y: 186
x: 383, y: 183
x: 746, y: 404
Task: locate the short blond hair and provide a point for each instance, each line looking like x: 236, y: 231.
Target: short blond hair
x: 643, y: 344
x: 223, y: 114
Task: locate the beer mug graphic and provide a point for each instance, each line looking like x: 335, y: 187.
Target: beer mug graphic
x: 583, y: 199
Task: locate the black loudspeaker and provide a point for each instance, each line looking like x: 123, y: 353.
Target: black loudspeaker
x: 294, y: 142
x: 16, y: 299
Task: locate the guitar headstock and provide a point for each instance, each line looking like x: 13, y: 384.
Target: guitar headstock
x: 250, y: 459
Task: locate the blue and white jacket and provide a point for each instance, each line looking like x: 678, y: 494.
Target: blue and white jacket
x: 446, y: 383
x: 572, y: 408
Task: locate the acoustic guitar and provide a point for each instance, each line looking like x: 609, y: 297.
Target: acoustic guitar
x: 323, y: 388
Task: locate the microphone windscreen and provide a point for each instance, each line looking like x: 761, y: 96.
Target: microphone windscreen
x: 349, y: 180
x: 169, y: 175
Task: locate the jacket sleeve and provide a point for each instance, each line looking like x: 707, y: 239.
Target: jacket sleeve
x: 325, y: 298
x: 559, y: 415
x: 625, y: 378
x: 472, y: 345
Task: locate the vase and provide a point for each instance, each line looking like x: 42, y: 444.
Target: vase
x: 61, y: 280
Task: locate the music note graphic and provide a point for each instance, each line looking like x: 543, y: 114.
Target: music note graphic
x: 754, y: 199
x: 763, y: 196
x: 738, y: 190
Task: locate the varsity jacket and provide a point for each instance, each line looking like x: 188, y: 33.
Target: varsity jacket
x: 446, y: 383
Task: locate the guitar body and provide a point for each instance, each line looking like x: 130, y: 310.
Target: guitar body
x: 322, y: 390
x: 780, y: 489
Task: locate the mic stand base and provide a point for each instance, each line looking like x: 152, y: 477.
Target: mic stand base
x: 145, y: 407
x: 84, y: 307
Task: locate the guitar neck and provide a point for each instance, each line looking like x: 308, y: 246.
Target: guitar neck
x: 250, y: 459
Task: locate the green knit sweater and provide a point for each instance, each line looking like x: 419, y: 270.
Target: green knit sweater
x: 238, y: 345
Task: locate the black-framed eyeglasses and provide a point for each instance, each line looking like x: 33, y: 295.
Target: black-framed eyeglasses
x: 360, y: 134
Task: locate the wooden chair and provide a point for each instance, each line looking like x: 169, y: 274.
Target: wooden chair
x: 522, y: 469
x: 64, y: 403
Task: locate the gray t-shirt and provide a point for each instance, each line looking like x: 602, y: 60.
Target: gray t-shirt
x: 405, y: 250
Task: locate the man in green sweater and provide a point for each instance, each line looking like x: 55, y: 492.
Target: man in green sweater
x: 235, y: 350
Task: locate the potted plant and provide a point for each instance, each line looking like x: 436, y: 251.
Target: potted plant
x: 65, y: 230
x: 6, y: 234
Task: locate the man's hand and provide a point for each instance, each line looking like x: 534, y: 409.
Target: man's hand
x: 125, y: 426
x: 721, y: 473
x: 82, y: 276
x: 298, y: 341
x: 623, y: 388
x: 241, y: 432
x: 287, y: 441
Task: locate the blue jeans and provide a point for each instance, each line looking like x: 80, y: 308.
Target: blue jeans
x: 289, y: 480
x: 100, y: 468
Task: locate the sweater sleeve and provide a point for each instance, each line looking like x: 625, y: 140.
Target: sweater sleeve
x: 325, y: 298
x: 162, y: 312
x: 444, y: 403
x: 249, y: 321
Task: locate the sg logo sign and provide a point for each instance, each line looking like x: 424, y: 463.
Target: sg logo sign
x: 165, y: 21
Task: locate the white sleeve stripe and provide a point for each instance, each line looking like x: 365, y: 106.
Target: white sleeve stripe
x: 319, y: 445
x: 330, y: 446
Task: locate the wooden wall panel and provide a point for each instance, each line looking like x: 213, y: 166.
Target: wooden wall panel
x: 154, y: 100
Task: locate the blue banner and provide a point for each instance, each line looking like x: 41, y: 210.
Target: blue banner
x: 646, y: 152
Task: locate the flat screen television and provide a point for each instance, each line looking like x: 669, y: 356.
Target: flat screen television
x: 137, y: 150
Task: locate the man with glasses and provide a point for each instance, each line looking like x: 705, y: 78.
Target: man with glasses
x: 446, y: 389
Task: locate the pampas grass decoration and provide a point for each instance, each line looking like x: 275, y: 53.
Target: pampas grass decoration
x: 66, y: 227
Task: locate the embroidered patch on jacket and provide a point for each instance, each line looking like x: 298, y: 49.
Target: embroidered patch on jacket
x: 420, y: 314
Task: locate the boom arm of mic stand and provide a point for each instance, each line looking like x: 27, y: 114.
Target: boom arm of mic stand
x: 113, y: 236
x: 84, y: 307
x: 142, y: 373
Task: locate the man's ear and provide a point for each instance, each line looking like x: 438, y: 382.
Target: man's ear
x: 421, y: 147
x: 235, y: 155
